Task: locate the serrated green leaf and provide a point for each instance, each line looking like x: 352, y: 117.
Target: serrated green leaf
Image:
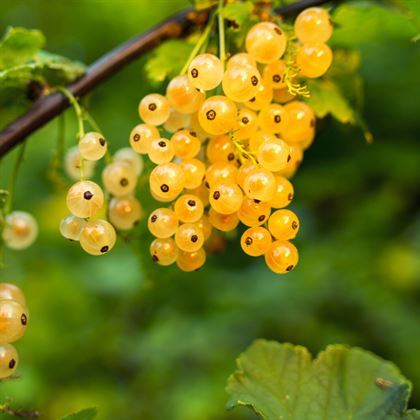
x: 19, y: 45
x: 280, y: 381
x: 168, y: 59
x: 85, y: 414
x: 238, y: 13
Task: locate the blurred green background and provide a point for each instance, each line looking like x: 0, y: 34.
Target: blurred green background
x: 141, y: 342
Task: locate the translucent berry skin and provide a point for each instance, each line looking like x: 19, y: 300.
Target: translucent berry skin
x: 220, y: 149
x: 71, y: 227
x: 72, y: 162
x: 20, y: 230
x: 162, y: 223
x: 263, y: 97
x: 189, y: 208
x: 128, y: 155
x: 223, y: 222
x: 119, y: 178
x: 205, y: 225
x: 259, y: 138
x: 85, y: 199
x: 13, y: 321
x: 283, y: 224
x: 202, y: 192
x: 226, y: 197
x: 167, y: 181
x: 186, y: 144
x: 282, y: 257
x: 194, y: 170
x: 274, y: 154
x: 284, y: 193
x: 307, y: 139
x: 205, y: 72
x: 183, y: 96
x: 247, y: 124
x: 164, y: 251
x: 240, y: 83
x: 92, y: 146
x: 260, y: 185
x: 217, y: 115
x: 266, y: 42
x: 141, y: 137
x: 191, y: 261
x: 189, y: 237
x: 124, y: 212
x: 98, y: 237
x: 9, y: 291
x: 314, y: 59
x: 253, y: 213
x: 241, y: 59
x: 300, y: 119
x: 161, y: 151
x: 177, y: 121
x: 272, y: 119
x: 282, y: 95
x: 274, y: 74
x: 296, y: 154
x: 313, y: 25
x: 256, y: 241
x: 220, y: 172
x: 244, y: 170
x: 9, y: 360
x: 154, y: 109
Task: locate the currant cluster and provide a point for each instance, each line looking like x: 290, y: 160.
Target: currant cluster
x: 13, y: 323
x: 85, y: 198
x: 229, y: 140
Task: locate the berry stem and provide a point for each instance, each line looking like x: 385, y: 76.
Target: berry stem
x: 57, y: 159
x: 222, y: 40
x: 201, y: 41
x: 243, y: 153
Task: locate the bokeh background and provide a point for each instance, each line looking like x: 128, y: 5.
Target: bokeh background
x: 139, y: 341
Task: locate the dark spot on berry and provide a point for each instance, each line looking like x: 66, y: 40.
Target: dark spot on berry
x: 136, y: 137
x: 231, y: 156
x: 105, y: 249
x: 312, y: 123
x: 164, y: 188
x: 87, y: 195
x: 277, y: 31
x: 191, y: 203
x: 211, y: 115
x: 153, y: 218
x: 155, y: 258
x: 23, y: 319
x: 277, y: 119
x: 152, y: 107
x: 207, y: 184
x: 102, y: 141
x: 276, y: 78
x: 257, y: 201
x: 162, y: 143
x: 193, y: 133
x: 248, y: 241
x: 261, y: 218
x: 288, y: 158
x: 194, y: 73
x: 194, y: 238
x: 294, y: 225
x: 252, y: 99
x: 245, y: 120
x: 12, y: 364
x: 290, y: 268
x: 330, y: 22
x: 216, y: 195
x: 123, y: 182
x: 290, y: 197
x: 254, y: 80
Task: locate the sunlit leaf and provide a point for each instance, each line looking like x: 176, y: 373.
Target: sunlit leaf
x: 85, y: 414
x: 238, y: 13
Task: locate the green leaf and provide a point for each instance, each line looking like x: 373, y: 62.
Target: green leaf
x: 359, y: 23
x: 326, y: 98
x: 4, y: 195
x: 167, y: 60
x: 85, y: 414
x: 281, y: 381
x: 19, y: 45
x: 203, y: 4
x: 238, y: 13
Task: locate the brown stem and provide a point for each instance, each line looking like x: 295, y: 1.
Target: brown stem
x: 48, y: 107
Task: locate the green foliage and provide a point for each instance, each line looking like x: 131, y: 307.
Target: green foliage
x: 167, y: 60
x: 85, y: 414
x: 203, y: 4
x: 282, y: 381
x: 239, y: 13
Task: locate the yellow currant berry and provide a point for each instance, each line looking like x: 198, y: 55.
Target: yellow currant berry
x: 194, y: 170
x: 164, y: 251
x: 202, y: 192
x: 154, y: 109
x: 258, y: 139
x: 72, y: 164
x: 260, y: 185
x: 98, y: 237
x: 313, y: 25
x: 241, y: 59
x: 283, y: 224
x: 314, y: 59
x: 167, y: 180
x: 189, y: 237
x: 220, y: 172
x: 92, y: 146
x: 162, y: 223
x: 244, y: 170
x: 141, y: 137
x: 282, y: 257
x: 191, y: 261
x: 274, y: 74
x: 189, y: 208
x: 223, y: 222
x: 161, y: 151
x: 300, y: 119
x: 9, y: 291
x: 124, y: 212
x: 85, y: 199
x: 177, y: 121
x: 240, y: 83
x: 247, y: 124
x: 20, y: 230
x: 282, y: 95
x: 274, y: 154
x: 272, y: 119
x: 284, y: 193
x: 71, y: 227
x: 9, y: 360
x: 263, y: 97
x: 226, y: 197
x: 119, y: 178
x: 205, y: 72
x: 256, y: 241
x: 183, y: 96
x: 186, y: 144
x: 253, y: 213
x: 217, y: 115
x: 13, y: 321
x: 128, y: 155
x: 296, y: 154
x: 205, y: 225
x: 220, y: 149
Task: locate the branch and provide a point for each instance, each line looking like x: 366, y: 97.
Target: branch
x: 48, y: 107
